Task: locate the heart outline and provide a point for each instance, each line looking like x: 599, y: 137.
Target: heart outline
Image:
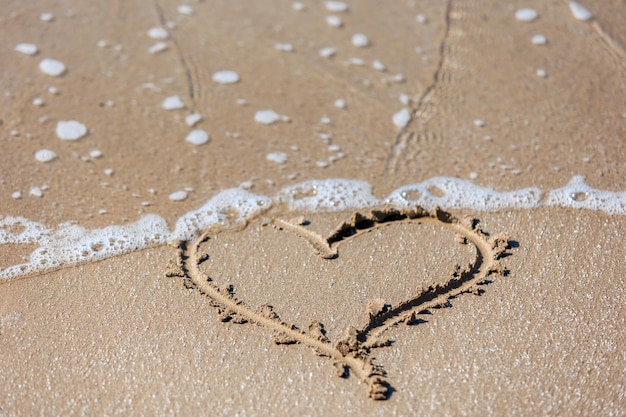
x: 353, y: 352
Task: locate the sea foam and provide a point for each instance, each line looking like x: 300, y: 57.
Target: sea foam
x: 71, y: 244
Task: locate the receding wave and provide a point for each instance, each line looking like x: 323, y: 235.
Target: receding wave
x: 71, y: 244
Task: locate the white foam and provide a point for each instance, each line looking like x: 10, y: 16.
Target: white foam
x: 178, y: 195
x: 541, y: 73
x: 377, y: 65
x: 35, y: 192
x: 16, y: 195
x: 278, y: 157
x: 46, y: 17
x: 357, y: 61
x: 197, y: 137
x: 193, y: 119
x: 185, y: 9
x: 334, y: 21
x: 26, y: 48
x: 421, y: 18
x: 157, y: 47
x: 70, y: 130
x: 52, y: 67
x: 158, y: 33
x: 336, y: 6
x: 526, y: 15
x: 539, y: 40
x: 173, y: 103
x: 266, y: 117
x: 297, y: 6
x: 284, y: 47
x: 239, y: 204
x: 45, y: 155
x: 95, y: 153
x: 455, y: 193
x: 579, y: 12
x: 401, y: 119
x: 360, y: 40
x: 328, y: 195
x: 578, y: 194
x: 70, y: 244
x: 226, y: 77
x: 340, y: 103
x: 327, y: 52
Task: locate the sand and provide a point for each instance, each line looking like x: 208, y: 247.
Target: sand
x: 145, y: 333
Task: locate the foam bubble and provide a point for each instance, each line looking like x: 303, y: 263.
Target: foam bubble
x: 193, y: 119
x: 479, y: 123
x: 95, y: 153
x: 239, y: 204
x: 579, y: 12
x: 357, y: 61
x: 157, y: 47
x: 377, y: 65
x: 35, y: 192
x: 360, y: 40
x: 336, y: 6
x: 526, y: 15
x: 539, y: 40
x: 328, y: 195
x: 185, y: 10
x: 327, y: 52
x: 266, y: 117
x: 455, y: 193
x: 45, y: 155
x: 334, y: 21
x: 178, y: 195
x: 158, y: 33
x: 197, y: 137
x: 173, y: 103
x: 278, y: 157
x: 401, y: 119
x: 72, y: 244
x: 340, y: 103
x: 52, y: 67
x: 26, y: 48
x: 284, y: 47
x: 70, y: 130
x: 578, y: 194
x: 226, y: 77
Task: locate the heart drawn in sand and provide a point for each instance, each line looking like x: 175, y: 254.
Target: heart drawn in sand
x: 353, y: 352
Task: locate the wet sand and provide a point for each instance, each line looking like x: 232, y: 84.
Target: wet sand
x: 118, y: 336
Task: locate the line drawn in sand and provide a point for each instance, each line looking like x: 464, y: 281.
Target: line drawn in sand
x: 353, y: 353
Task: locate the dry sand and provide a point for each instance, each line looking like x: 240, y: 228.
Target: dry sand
x: 119, y: 337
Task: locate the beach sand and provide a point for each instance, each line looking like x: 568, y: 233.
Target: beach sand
x: 118, y: 336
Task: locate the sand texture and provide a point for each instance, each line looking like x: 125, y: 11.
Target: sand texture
x: 332, y: 229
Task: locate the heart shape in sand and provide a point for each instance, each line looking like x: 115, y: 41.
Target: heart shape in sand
x: 353, y: 352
